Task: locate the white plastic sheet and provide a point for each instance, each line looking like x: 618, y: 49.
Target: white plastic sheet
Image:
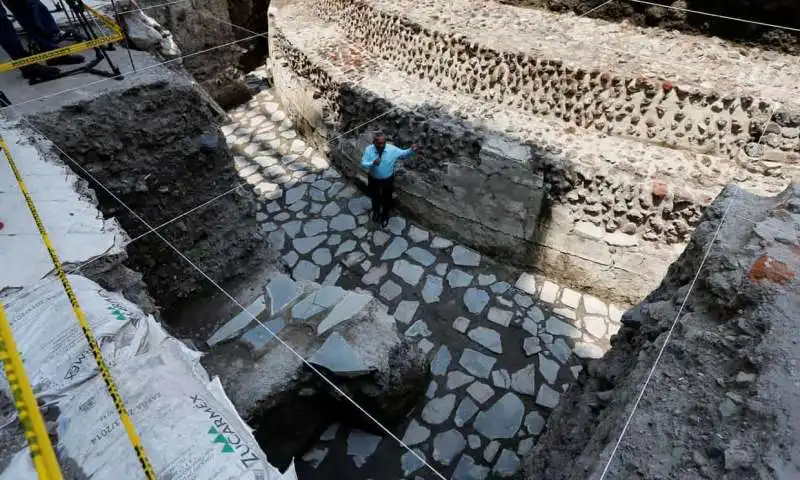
x: 186, y: 422
x: 52, y: 344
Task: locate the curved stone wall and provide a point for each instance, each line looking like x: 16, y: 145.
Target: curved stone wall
x: 646, y: 108
x: 605, y: 213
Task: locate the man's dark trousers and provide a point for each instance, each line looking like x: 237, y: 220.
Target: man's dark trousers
x: 381, y: 190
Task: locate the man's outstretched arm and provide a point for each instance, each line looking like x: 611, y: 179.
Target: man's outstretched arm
x: 406, y: 152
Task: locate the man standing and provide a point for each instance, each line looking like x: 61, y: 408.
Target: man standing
x: 380, y: 160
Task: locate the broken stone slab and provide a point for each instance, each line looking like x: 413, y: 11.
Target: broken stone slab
x: 441, y: 361
x: 467, y: 469
x: 339, y: 357
x: 475, y: 300
x: 507, y: 464
x: 487, y: 338
x: 477, y: 363
x: 349, y: 337
x: 467, y: 408
x: 361, y: 445
x: 416, y: 433
x: 238, y: 323
x: 447, y: 445
x: 502, y: 419
x: 458, y: 379
x: 438, y: 410
x: 465, y: 257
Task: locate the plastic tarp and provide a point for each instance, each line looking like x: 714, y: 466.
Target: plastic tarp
x: 187, y: 424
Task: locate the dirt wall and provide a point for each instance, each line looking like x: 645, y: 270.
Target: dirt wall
x: 722, y: 402
x: 158, y: 149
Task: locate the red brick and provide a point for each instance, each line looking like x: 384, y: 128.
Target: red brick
x: 767, y: 268
x: 660, y: 189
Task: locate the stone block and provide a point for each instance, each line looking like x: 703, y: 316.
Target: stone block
x: 348, y: 336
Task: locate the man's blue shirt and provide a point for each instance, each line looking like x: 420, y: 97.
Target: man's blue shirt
x: 385, y: 169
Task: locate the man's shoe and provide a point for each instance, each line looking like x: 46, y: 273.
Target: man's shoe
x: 66, y: 60
x: 40, y: 72
x: 384, y: 222
x: 376, y: 217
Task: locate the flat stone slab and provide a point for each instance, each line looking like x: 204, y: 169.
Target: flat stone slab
x: 441, y: 361
x: 306, y: 244
x: 390, y: 290
x: 467, y: 408
x: 409, y: 272
x: 238, y: 323
x: 447, y: 445
x: 487, y: 338
x: 416, y: 433
x: 339, y: 357
x: 465, y: 257
x: 475, y: 300
x: 501, y: 420
x: 410, y: 463
x: 467, y: 469
x: 534, y: 423
x: 396, y: 248
x: 405, y: 311
x: 439, y: 409
x: 527, y: 283
x: 549, y: 369
x: 524, y: 380
x: 458, y: 379
x: 507, y: 464
x: 500, y: 316
x: 547, y: 397
x: 480, y: 392
x: 361, y: 445
x: 347, y: 308
x: 476, y: 363
x: 558, y: 327
x: 458, y: 278
x: 421, y: 255
x: 432, y: 290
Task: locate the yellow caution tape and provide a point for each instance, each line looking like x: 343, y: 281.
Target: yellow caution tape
x: 30, y: 418
x: 116, y: 36
x: 111, y: 387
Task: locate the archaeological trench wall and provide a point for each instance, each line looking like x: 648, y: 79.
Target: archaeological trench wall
x: 602, y: 224
x: 157, y: 147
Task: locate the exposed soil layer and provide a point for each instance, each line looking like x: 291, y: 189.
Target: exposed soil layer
x: 785, y: 13
x: 722, y: 401
x: 158, y: 150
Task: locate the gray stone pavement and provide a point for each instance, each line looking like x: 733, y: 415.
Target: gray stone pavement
x: 504, y: 345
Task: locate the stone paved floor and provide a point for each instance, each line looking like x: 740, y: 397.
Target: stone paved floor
x: 503, y: 345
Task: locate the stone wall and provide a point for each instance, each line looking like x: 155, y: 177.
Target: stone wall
x: 603, y: 210
x: 650, y: 109
x: 455, y: 187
